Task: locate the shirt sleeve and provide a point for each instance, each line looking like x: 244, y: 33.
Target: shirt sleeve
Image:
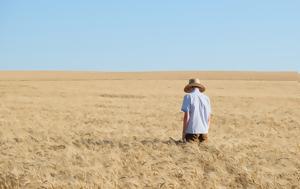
x: 208, y: 106
x: 186, y: 104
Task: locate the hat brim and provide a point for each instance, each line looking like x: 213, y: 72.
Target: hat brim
x: 188, y: 88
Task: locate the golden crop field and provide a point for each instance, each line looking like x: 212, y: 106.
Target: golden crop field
x: 124, y: 131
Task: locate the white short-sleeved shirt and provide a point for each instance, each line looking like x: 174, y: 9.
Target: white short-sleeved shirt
x: 198, y: 106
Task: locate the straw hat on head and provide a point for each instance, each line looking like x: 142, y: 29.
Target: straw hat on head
x: 195, y: 82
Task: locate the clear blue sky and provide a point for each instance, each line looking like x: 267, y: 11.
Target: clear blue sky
x: 150, y: 35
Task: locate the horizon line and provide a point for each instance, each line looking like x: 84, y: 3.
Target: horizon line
x: 151, y: 71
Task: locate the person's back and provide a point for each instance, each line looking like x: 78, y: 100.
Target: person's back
x: 197, y: 110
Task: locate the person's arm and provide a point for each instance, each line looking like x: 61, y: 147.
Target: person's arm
x: 185, y: 108
x: 185, y: 124
x: 209, y: 112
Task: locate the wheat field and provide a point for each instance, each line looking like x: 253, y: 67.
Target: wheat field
x: 124, y: 132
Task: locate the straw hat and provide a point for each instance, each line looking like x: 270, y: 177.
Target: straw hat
x: 194, y: 83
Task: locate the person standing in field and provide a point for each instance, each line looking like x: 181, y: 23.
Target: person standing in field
x: 197, y: 112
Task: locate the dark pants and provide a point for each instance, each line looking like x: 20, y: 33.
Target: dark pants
x: 196, y: 137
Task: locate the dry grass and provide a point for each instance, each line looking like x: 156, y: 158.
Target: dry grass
x: 212, y: 75
x: 116, y: 134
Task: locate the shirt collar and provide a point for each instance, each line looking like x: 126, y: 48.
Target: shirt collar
x: 196, y: 90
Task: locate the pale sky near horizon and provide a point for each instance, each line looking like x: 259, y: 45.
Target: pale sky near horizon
x: 151, y: 35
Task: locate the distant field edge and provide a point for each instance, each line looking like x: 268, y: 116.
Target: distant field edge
x: 159, y: 75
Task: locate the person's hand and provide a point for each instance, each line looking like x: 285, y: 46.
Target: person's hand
x: 183, y: 137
